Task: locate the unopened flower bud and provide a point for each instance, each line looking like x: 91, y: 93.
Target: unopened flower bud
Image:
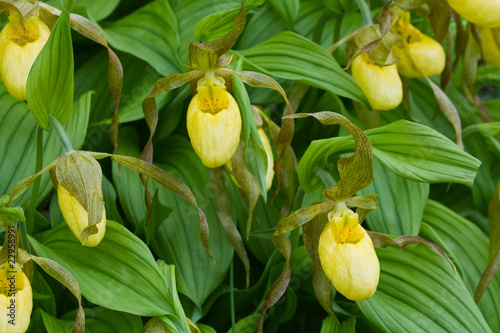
x: 421, y: 55
x: 213, y: 122
x: 381, y: 84
x: 16, y: 300
x: 77, y: 217
x: 347, y: 255
x: 20, y: 43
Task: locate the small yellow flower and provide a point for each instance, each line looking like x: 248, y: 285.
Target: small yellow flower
x: 347, y: 255
x: 77, y: 218
x: 381, y: 84
x: 491, y: 52
x: 16, y: 300
x: 213, y: 122
x: 484, y: 13
x: 427, y: 55
x: 20, y: 44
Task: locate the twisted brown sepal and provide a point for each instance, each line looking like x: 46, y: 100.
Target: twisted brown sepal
x: 81, y: 175
x: 25, y: 8
x: 439, y: 18
x: 210, y: 56
x: 383, y: 241
x: 223, y: 206
x: 289, y: 181
x: 282, y: 142
x: 321, y: 284
x: 356, y: 172
x: 166, y: 180
x: 491, y: 269
x: 61, y: 274
x: 115, y: 70
x: 282, y: 243
x: 247, y: 182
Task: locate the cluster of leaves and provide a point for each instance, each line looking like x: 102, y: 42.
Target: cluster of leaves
x: 151, y: 271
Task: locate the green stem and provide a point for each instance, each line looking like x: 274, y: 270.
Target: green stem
x: 325, y: 177
x: 365, y: 12
x: 231, y: 295
x: 61, y: 134
x: 30, y: 218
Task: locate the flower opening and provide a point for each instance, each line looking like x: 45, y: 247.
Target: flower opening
x: 16, y: 299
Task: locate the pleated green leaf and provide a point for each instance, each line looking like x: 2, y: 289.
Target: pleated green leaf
x: 49, y: 87
x: 119, y: 274
x: 18, y: 136
x: 288, y: 10
x: 420, y: 292
x: 97, y: 320
x: 410, y: 150
x: 150, y: 34
x: 293, y: 57
x: 468, y: 246
x: 401, y: 202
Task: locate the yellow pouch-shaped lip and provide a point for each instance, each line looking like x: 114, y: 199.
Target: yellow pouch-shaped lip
x: 491, y: 52
x: 20, y: 44
x: 77, y: 218
x: 484, y: 13
x: 348, y: 257
x: 381, y: 84
x: 214, y: 125
x: 16, y: 300
x: 427, y: 55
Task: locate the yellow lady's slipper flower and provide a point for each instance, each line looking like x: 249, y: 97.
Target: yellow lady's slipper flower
x: 20, y: 44
x: 381, y: 84
x: 16, y: 300
x: 484, y: 13
x: 347, y: 255
x: 77, y: 218
x: 422, y: 54
x: 491, y: 52
x: 270, y: 161
x: 213, y: 122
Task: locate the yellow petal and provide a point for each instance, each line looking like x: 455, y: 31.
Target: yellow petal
x: 214, y: 126
x: 381, y: 84
x: 353, y: 268
x: 16, y: 300
x: 484, y: 13
x: 427, y: 54
x: 491, y: 51
x: 77, y: 218
x: 19, y: 47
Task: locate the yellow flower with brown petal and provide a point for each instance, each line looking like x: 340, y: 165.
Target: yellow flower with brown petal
x: 347, y: 255
x: 77, y: 217
x: 20, y: 43
x: 422, y: 55
x: 16, y: 300
x: 213, y: 122
x: 381, y: 84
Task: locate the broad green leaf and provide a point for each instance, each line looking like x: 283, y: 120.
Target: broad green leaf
x: 419, y: 292
x: 401, y: 202
x: 98, y: 10
x: 98, y: 320
x: 18, y: 136
x: 288, y: 10
x: 293, y: 57
x: 332, y: 325
x: 119, y: 274
x: 468, y: 246
x: 49, y: 88
x: 410, y: 150
x: 149, y: 33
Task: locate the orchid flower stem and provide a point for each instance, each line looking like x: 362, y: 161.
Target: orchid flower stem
x: 325, y: 177
x: 365, y: 12
x: 61, y: 134
x: 30, y: 218
x: 231, y: 282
